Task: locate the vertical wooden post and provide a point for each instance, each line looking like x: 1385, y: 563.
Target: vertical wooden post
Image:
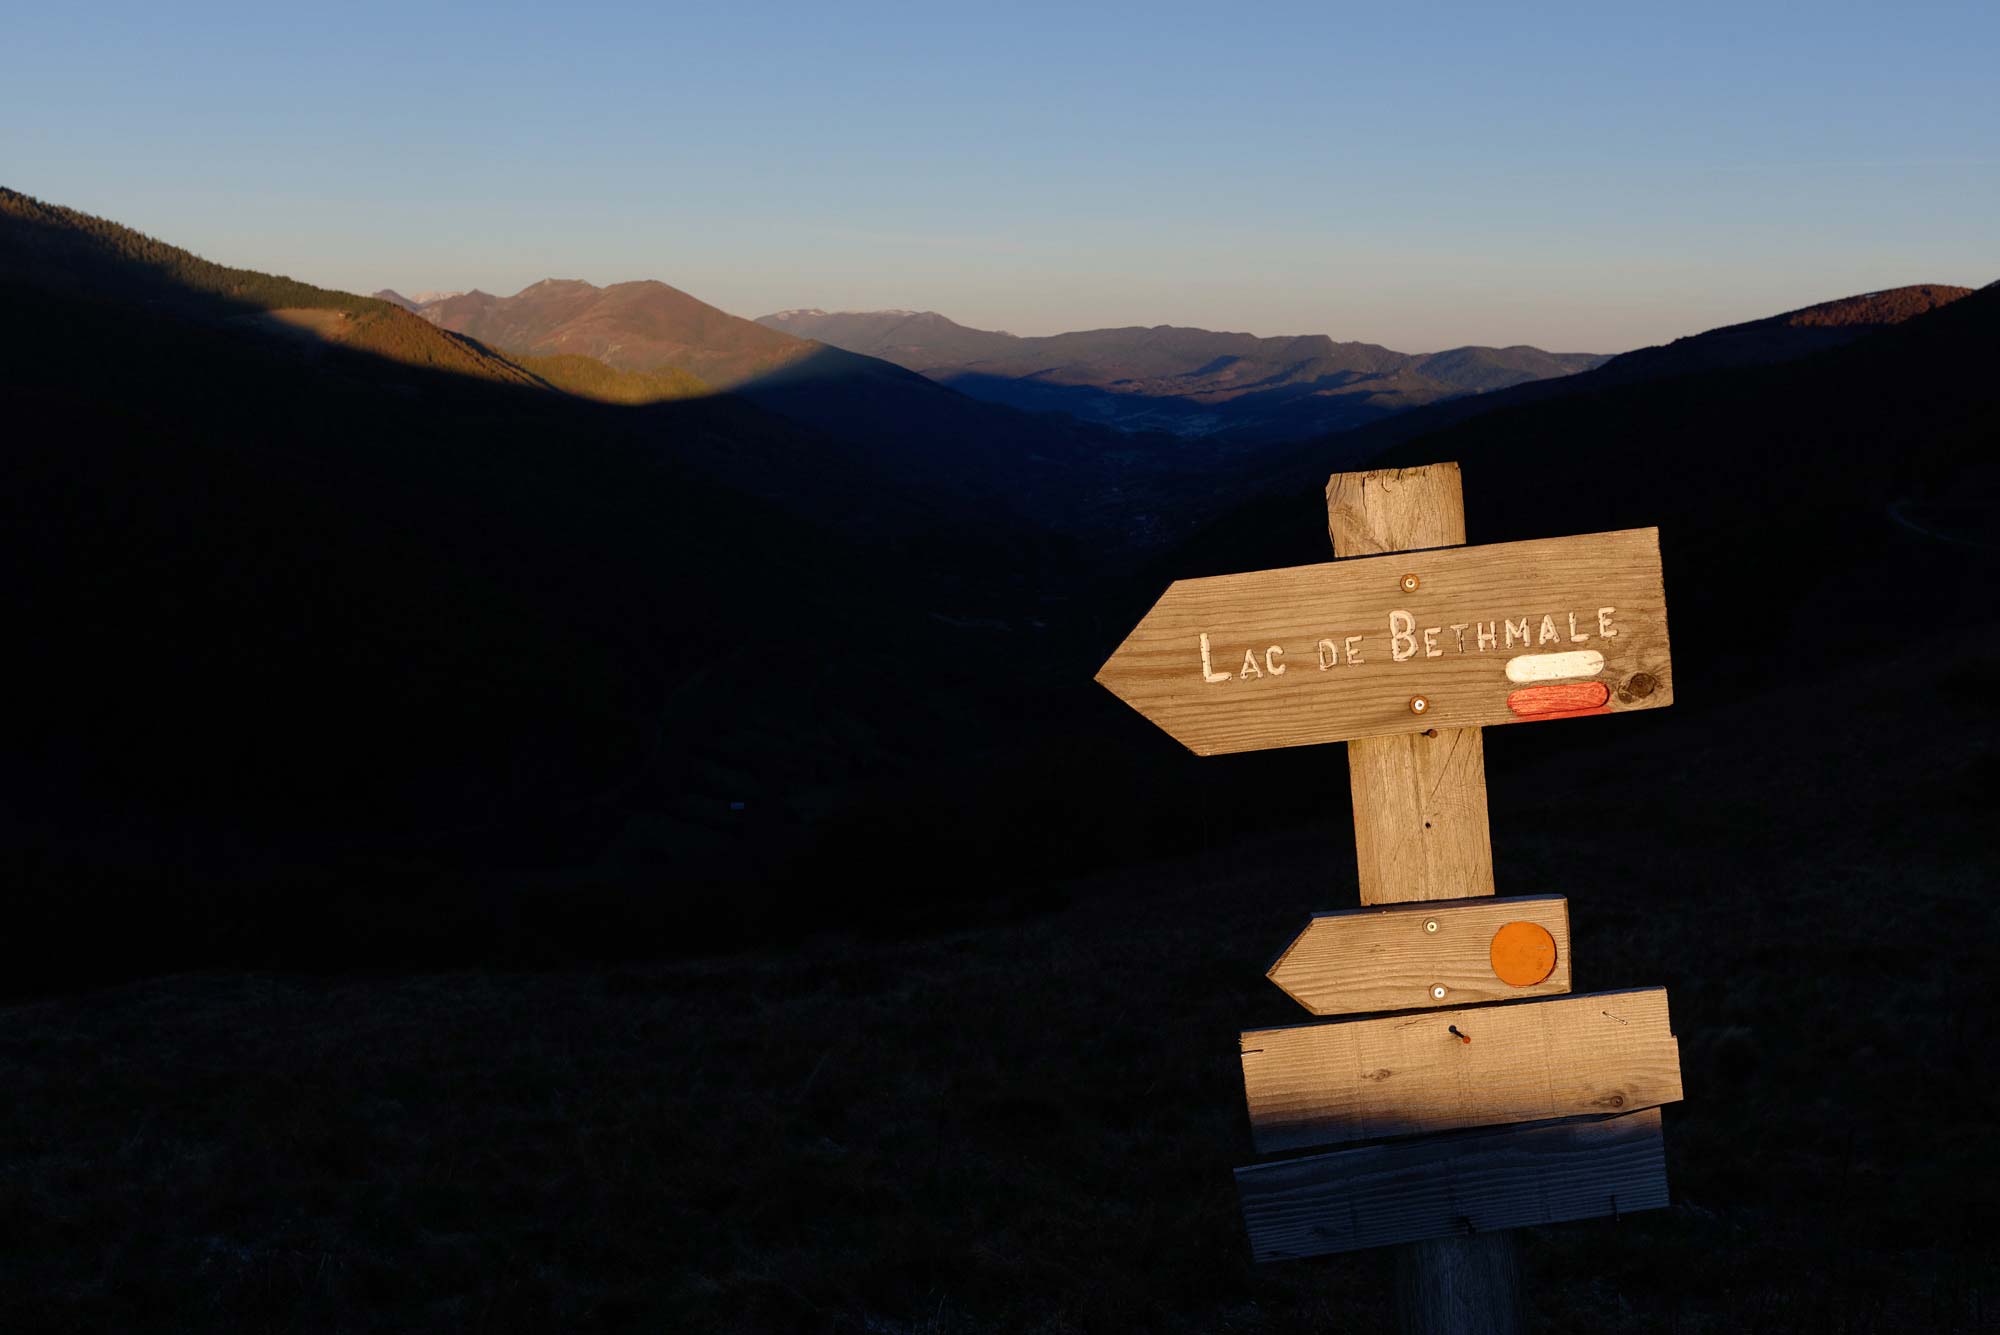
x: 1464, y: 1286
x: 1420, y: 799
x: 1420, y: 832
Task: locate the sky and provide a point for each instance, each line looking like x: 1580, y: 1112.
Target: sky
x: 1582, y: 178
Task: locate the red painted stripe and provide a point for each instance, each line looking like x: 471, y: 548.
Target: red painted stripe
x: 1567, y: 713
x: 1565, y: 698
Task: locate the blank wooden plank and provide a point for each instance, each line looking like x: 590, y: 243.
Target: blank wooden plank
x: 1420, y: 829
x: 1322, y: 1084
x: 1390, y: 958
x: 1337, y: 651
x: 1449, y: 1186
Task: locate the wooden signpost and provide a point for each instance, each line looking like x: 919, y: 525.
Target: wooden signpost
x: 1488, y: 1097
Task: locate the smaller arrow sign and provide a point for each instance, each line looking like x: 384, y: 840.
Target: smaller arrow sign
x: 1427, y: 954
x: 1380, y: 645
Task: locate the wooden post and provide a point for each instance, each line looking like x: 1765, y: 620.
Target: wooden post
x: 1420, y: 832
x: 1467, y: 1286
x: 1420, y: 827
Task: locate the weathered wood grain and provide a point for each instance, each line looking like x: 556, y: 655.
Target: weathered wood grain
x: 1449, y: 1186
x: 1389, y: 958
x: 1420, y: 827
x: 1465, y: 1285
x: 1338, y: 651
x: 1395, y: 509
x: 1322, y: 1084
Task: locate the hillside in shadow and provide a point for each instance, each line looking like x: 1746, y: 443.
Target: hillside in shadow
x: 1772, y: 341
x: 351, y: 653
x: 1794, y: 470
x: 571, y: 866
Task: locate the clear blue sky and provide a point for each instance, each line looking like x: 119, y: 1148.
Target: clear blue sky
x: 1579, y: 177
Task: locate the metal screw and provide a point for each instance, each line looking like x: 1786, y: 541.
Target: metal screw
x: 1430, y: 924
x: 1410, y: 583
x: 1437, y: 991
x: 1418, y: 704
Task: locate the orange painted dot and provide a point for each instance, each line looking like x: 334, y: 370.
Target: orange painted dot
x: 1523, y: 953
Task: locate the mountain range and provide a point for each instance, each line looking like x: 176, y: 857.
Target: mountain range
x: 963, y: 454
x: 305, y: 570
x: 1191, y: 382
x: 299, y: 561
x: 1771, y: 341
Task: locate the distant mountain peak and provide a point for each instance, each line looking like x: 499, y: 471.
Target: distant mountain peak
x: 558, y: 285
x: 640, y: 326
x: 900, y: 336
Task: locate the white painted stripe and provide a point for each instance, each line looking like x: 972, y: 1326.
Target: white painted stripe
x: 1554, y: 667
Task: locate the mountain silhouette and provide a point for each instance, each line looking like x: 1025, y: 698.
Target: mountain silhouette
x: 1766, y: 342
x: 327, y: 620
x: 354, y: 639
x: 1803, y: 503
x: 1191, y: 382
x: 964, y: 453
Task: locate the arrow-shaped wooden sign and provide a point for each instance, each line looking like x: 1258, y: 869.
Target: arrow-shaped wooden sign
x: 1494, y: 1116
x: 1374, y: 646
x: 1415, y: 956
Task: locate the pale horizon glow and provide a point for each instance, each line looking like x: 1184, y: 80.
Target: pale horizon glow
x: 1575, y: 178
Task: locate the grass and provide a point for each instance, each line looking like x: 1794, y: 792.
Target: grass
x: 589, y: 378
x: 1031, y: 1127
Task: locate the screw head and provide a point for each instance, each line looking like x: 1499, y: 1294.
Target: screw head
x: 1418, y: 704
x: 1430, y: 924
x: 1410, y: 583
x: 1437, y: 991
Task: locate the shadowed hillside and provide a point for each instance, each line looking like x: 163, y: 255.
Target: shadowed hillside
x: 337, y: 661
x: 62, y: 250
x: 1032, y: 1125
x: 1792, y: 476
x: 443, y: 652
x: 350, y: 656
x: 1767, y: 342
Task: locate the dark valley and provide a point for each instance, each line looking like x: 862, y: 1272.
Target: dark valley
x: 580, y: 810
